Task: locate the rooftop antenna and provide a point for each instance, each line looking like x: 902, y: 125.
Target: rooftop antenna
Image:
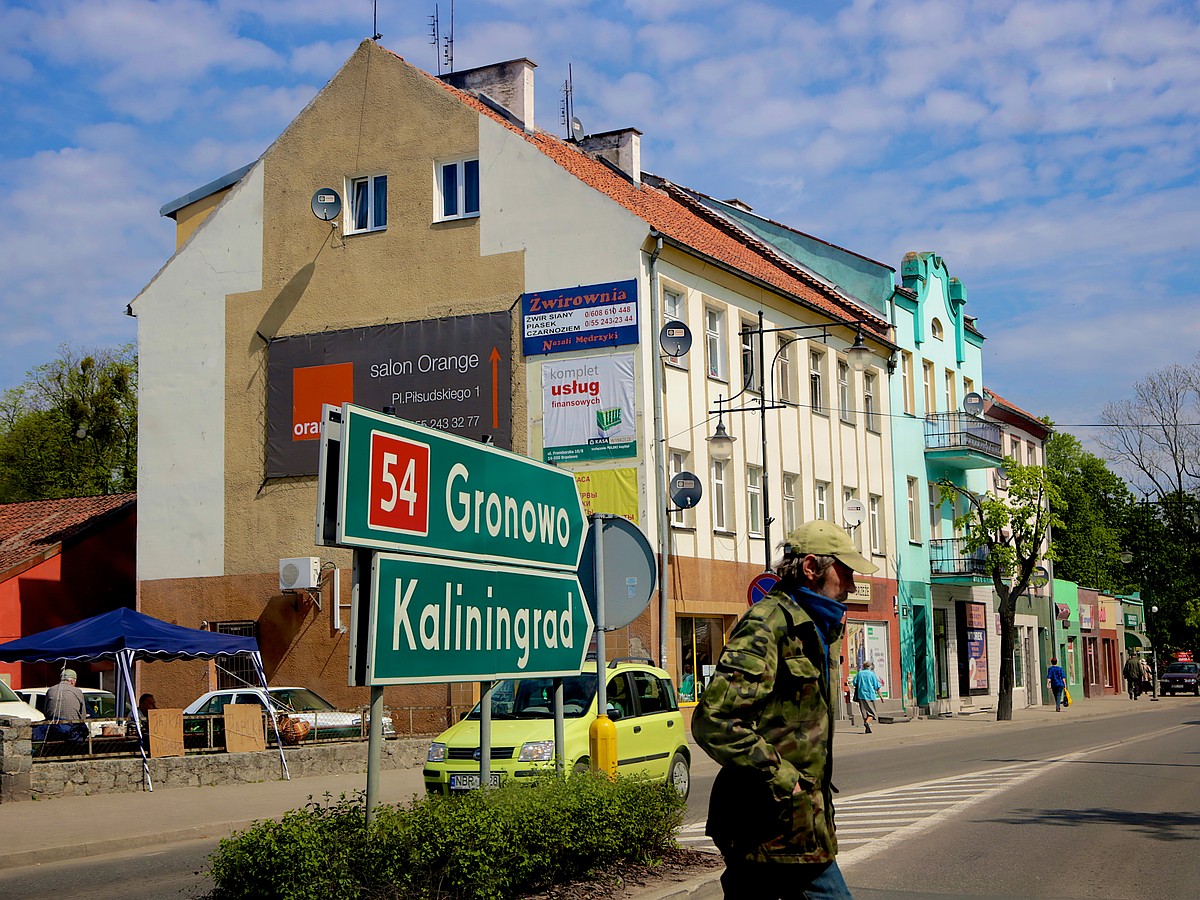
x: 435, y: 37
x: 448, y: 50
x: 568, y: 91
x: 375, y: 21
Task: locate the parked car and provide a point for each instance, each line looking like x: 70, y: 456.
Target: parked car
x: 651, y: 738
x: 101, y: 708
x: 1180, y: 676
x: 296, y: 702
x: 12, y: 705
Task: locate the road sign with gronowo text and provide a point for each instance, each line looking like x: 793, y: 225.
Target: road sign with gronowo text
x: 451, y: 620
x: 407, y: 488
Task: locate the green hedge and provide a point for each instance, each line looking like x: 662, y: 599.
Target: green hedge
x: 483, y: 845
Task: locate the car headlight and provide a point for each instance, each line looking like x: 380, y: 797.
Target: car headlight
x: 536, y: 751
x: 437, y: 752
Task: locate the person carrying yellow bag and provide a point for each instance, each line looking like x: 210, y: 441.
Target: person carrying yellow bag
x: 1056, y: 681
x: 1066, y: 697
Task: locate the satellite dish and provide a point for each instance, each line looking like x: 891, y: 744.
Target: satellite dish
x: 686, y: 490
x: 576, y: 129
x: 852, y: 512
x: 973, y: 403
x: 326, y: 204
x: 675, y: 338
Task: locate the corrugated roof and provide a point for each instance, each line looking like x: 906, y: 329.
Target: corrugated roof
x: 37, y: 529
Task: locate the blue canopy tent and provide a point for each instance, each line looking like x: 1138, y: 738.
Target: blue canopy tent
x: 125, y: 636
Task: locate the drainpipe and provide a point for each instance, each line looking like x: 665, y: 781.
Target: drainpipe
x: 660, y: 464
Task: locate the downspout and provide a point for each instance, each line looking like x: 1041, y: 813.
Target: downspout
x: 657, y: 387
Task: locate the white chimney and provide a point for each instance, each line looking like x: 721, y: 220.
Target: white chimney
x: 622, y: 148
x: 509, y: 84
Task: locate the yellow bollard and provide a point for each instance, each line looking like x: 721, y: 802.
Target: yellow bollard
x: 602, y: 742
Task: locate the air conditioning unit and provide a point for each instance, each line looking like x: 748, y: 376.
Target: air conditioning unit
x: 300, y: 573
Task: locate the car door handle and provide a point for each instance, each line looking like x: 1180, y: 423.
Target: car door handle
x: 670, y: 723
x: 637, y: 729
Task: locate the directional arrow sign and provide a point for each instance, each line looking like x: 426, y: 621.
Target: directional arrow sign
x: 445, y: 620
x: 404, y: 487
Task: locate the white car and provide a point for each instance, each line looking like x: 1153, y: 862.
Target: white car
x: 295, y: 702
x: 101, y: 708
x: 12, y: 705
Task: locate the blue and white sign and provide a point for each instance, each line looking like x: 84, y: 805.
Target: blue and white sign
x: 579, y: 318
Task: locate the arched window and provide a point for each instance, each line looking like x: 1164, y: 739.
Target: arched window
x: 935, y: 328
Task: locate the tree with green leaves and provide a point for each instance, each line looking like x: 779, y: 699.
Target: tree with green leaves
x: 1013, y: 534
x: 1093, y: 505
x: 71, y: 429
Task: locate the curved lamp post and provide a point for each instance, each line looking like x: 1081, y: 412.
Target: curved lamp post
x: 720, y: 443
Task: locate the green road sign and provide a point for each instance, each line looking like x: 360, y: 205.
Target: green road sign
x: 404, y: 487
x: 446, y: 620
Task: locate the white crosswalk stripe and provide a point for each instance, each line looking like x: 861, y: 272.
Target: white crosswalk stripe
x: 866, y: 823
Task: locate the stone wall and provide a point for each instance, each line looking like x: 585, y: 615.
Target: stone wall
x: 23, y: 779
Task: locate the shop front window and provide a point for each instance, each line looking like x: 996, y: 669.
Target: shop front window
x: 698, y: 644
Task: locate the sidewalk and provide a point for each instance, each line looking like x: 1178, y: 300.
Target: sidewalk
x: 79, y: 827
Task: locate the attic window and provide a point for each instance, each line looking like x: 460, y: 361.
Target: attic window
x: 367, y: 210
x: 458, y: 189
x: 935, y: 328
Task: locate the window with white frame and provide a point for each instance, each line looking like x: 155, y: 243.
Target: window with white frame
x: 821, y: 499
x: 935, y: 512
x: 457, y: 189
x: 845, y: 408
x: 935, y: 328
x: 714, y: 343
x: 816, y: 385
x: 367, y: 210
x: 927, y: 376
x: 951, y: 398
x: 681, y: 518
x: 675, y: 309
x: 790, y: 482
x: 874, y: 523
x: 719, y: 499
x: 968, y: 385
x: 786, y: 367
x: 751, y: 364
x: 1030, y: 453
x: 906, y: 380
x: 754, y: 488
x: 914, y: 517
x: 1016, y: 450
x: 869, y: 410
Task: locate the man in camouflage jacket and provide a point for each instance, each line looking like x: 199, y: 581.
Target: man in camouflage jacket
x: 767, y: 718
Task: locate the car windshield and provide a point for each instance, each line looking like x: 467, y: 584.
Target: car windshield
x: 7, y: 695
x: 101, y: 706
x: 533, y: 698
x: 1183, y: 668
x: 300, y: 700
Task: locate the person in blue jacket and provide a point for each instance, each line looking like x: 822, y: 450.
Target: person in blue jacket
x: 866, y: 690
x: 1056, y: 680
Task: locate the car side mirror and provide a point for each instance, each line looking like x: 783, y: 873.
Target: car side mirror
x: 614, y: 712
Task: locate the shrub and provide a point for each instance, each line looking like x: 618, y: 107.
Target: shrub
x: 484, y: 845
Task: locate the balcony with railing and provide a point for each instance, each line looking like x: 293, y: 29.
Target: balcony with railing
x: 959, y: 440
x: 948, y: 558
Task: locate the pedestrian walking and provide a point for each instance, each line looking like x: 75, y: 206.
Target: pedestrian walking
x: 1056, y: 680
x: 1132, y: 671
x: 848, y: 695
x: 866, y: 690
x: 1147, y: 677
x: 767, y: 717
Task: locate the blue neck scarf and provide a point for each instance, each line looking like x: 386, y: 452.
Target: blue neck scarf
x: 826, y: 612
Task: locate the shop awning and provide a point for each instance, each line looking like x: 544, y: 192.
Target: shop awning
x: 1135, y: 641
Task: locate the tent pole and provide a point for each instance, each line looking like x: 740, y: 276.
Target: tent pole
x: 125, y: 673
x: 262, y: 677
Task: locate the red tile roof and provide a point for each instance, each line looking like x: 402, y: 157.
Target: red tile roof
x: 36, y: 530
x: 682, y: 220
x: 1013, y: 408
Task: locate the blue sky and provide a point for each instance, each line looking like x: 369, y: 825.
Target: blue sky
x: 1048, y: 151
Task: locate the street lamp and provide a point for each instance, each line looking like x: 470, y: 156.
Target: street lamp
x: 720, y: 444
x: 1153, y: 656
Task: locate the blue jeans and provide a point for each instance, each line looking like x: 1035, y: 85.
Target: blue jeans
x: 1058, y: 696
x: 781, y: 881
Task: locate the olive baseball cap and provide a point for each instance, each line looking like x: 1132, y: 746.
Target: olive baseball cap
x: 821, y: 538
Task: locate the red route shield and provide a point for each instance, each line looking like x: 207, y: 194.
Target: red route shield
x: 399, y: 485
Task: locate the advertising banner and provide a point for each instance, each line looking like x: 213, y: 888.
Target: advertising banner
x: 452, y: 374
x: 609, y: 491
x: 869, y: 641
x: 579, y: 318
x: 588, y: 409
x: 972, y: 647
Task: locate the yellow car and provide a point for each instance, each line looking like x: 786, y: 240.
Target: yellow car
x: 651, y: 739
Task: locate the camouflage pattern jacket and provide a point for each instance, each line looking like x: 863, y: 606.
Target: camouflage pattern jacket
x: 766, y: 717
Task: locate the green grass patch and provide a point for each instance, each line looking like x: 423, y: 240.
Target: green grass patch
x: 483, y: 845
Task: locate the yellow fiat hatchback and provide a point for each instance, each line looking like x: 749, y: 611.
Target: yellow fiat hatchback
x: 651, y: 739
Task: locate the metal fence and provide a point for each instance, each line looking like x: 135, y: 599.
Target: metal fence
x: 948, y: 556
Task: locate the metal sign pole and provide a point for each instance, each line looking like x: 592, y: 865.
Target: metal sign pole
x: 485, y: 732
x: 374, y: 751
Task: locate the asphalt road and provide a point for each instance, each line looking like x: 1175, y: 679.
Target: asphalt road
x: 1084, y: 808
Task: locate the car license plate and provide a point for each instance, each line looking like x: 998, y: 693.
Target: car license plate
x: 469, y: 782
